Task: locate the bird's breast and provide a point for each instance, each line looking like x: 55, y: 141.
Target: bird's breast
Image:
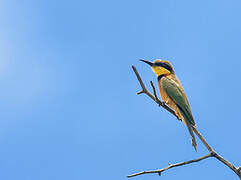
x: 165, y: 98
x: 163, y: 94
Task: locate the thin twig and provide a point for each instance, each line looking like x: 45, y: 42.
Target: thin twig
x: 159, y: 171
x: 154, y: 90
x: 212, y: 153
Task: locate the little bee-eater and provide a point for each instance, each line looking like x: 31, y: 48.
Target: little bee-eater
x: 172, y: 93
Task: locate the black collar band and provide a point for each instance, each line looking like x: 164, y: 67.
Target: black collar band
x: 160, y: 76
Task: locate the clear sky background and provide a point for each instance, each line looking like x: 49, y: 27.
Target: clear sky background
x: 69, y: 108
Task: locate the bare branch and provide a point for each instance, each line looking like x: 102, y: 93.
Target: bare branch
x: 159, y: 171
x: 212, y: 153
x: 228, y: 164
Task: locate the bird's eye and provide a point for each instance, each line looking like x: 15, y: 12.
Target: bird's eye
x: 158, y: 64
x: 164, y: 65
x: 167, y: 66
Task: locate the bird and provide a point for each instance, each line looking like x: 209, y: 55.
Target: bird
x: 172, y: 94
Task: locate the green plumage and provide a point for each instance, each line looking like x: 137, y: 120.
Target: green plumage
x: 175, y: 91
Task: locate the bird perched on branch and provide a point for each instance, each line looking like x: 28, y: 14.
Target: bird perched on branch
x: 172, y: 93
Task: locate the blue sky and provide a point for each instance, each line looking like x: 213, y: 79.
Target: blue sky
x: 69, y: 108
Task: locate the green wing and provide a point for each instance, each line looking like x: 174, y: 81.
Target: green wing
x: 175, y: 91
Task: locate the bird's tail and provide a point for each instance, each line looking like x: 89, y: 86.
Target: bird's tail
x: 189, y: 127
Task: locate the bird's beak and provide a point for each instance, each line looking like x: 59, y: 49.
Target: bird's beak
x: 147, y: 62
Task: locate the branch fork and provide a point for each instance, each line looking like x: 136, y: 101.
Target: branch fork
x: 212, y: 153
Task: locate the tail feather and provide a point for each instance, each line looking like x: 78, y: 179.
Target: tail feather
x: 189, y: 127
x: 189, y: 123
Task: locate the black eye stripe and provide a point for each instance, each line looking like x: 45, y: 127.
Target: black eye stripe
x: 158, y: 64
x: 164, y: 65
